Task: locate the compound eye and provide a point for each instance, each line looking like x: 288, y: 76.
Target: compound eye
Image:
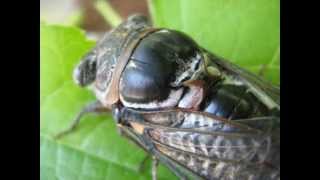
x: 85, y: 72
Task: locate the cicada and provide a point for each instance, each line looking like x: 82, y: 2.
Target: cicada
x: 193, y: 111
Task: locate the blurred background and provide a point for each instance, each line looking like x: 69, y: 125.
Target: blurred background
x: 90, y: 14
x: 244, y: 32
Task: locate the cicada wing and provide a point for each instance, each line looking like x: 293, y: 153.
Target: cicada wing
x: 212, y: 169
x: 211, y: 146
x: 247, y: 77
x: 146, y: 144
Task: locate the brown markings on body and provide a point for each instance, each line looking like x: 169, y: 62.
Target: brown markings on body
x: 198, y: 89
x: 137, y: 127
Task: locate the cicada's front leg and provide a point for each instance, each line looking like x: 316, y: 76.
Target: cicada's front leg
x: 94, y: 107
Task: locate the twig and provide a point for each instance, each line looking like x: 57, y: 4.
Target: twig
x: 108, y: 13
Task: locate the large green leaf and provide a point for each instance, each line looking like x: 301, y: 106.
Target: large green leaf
x: 243, y: 31
x: 95, y: 151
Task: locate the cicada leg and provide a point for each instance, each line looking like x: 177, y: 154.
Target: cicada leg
x: 262, y: 70
x: 155, y: 163
x: 94, y: 107
x: 143, y: 163
x: 173, y: 167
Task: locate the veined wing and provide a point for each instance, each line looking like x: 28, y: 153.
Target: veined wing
x: 146, y: 144
x: 211, y: 146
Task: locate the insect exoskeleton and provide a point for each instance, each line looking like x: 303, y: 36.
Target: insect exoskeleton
x: 193, y: 111
x: 158, y: 69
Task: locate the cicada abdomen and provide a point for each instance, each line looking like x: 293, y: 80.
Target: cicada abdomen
x: 201, y: 116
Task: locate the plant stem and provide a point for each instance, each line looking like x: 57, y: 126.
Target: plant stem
x: 108, y: 13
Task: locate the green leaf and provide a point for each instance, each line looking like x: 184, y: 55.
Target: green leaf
x: 95, y: 151
x: 245, y: 32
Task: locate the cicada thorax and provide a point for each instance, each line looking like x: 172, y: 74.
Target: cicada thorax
x: 157, y: 67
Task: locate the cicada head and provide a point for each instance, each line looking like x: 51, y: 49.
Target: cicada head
x: 98, y: 66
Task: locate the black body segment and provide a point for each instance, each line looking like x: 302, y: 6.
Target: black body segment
x: 154, y: 64
x: 140, y: 85
x: 226, y: 101
x: 233, y: 102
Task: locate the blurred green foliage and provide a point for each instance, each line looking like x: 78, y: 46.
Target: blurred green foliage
x: 245, y: 32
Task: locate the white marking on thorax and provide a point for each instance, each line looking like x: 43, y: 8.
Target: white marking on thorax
x: 233, y: 81
x: 191, y: 70
x: 171, y: 101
